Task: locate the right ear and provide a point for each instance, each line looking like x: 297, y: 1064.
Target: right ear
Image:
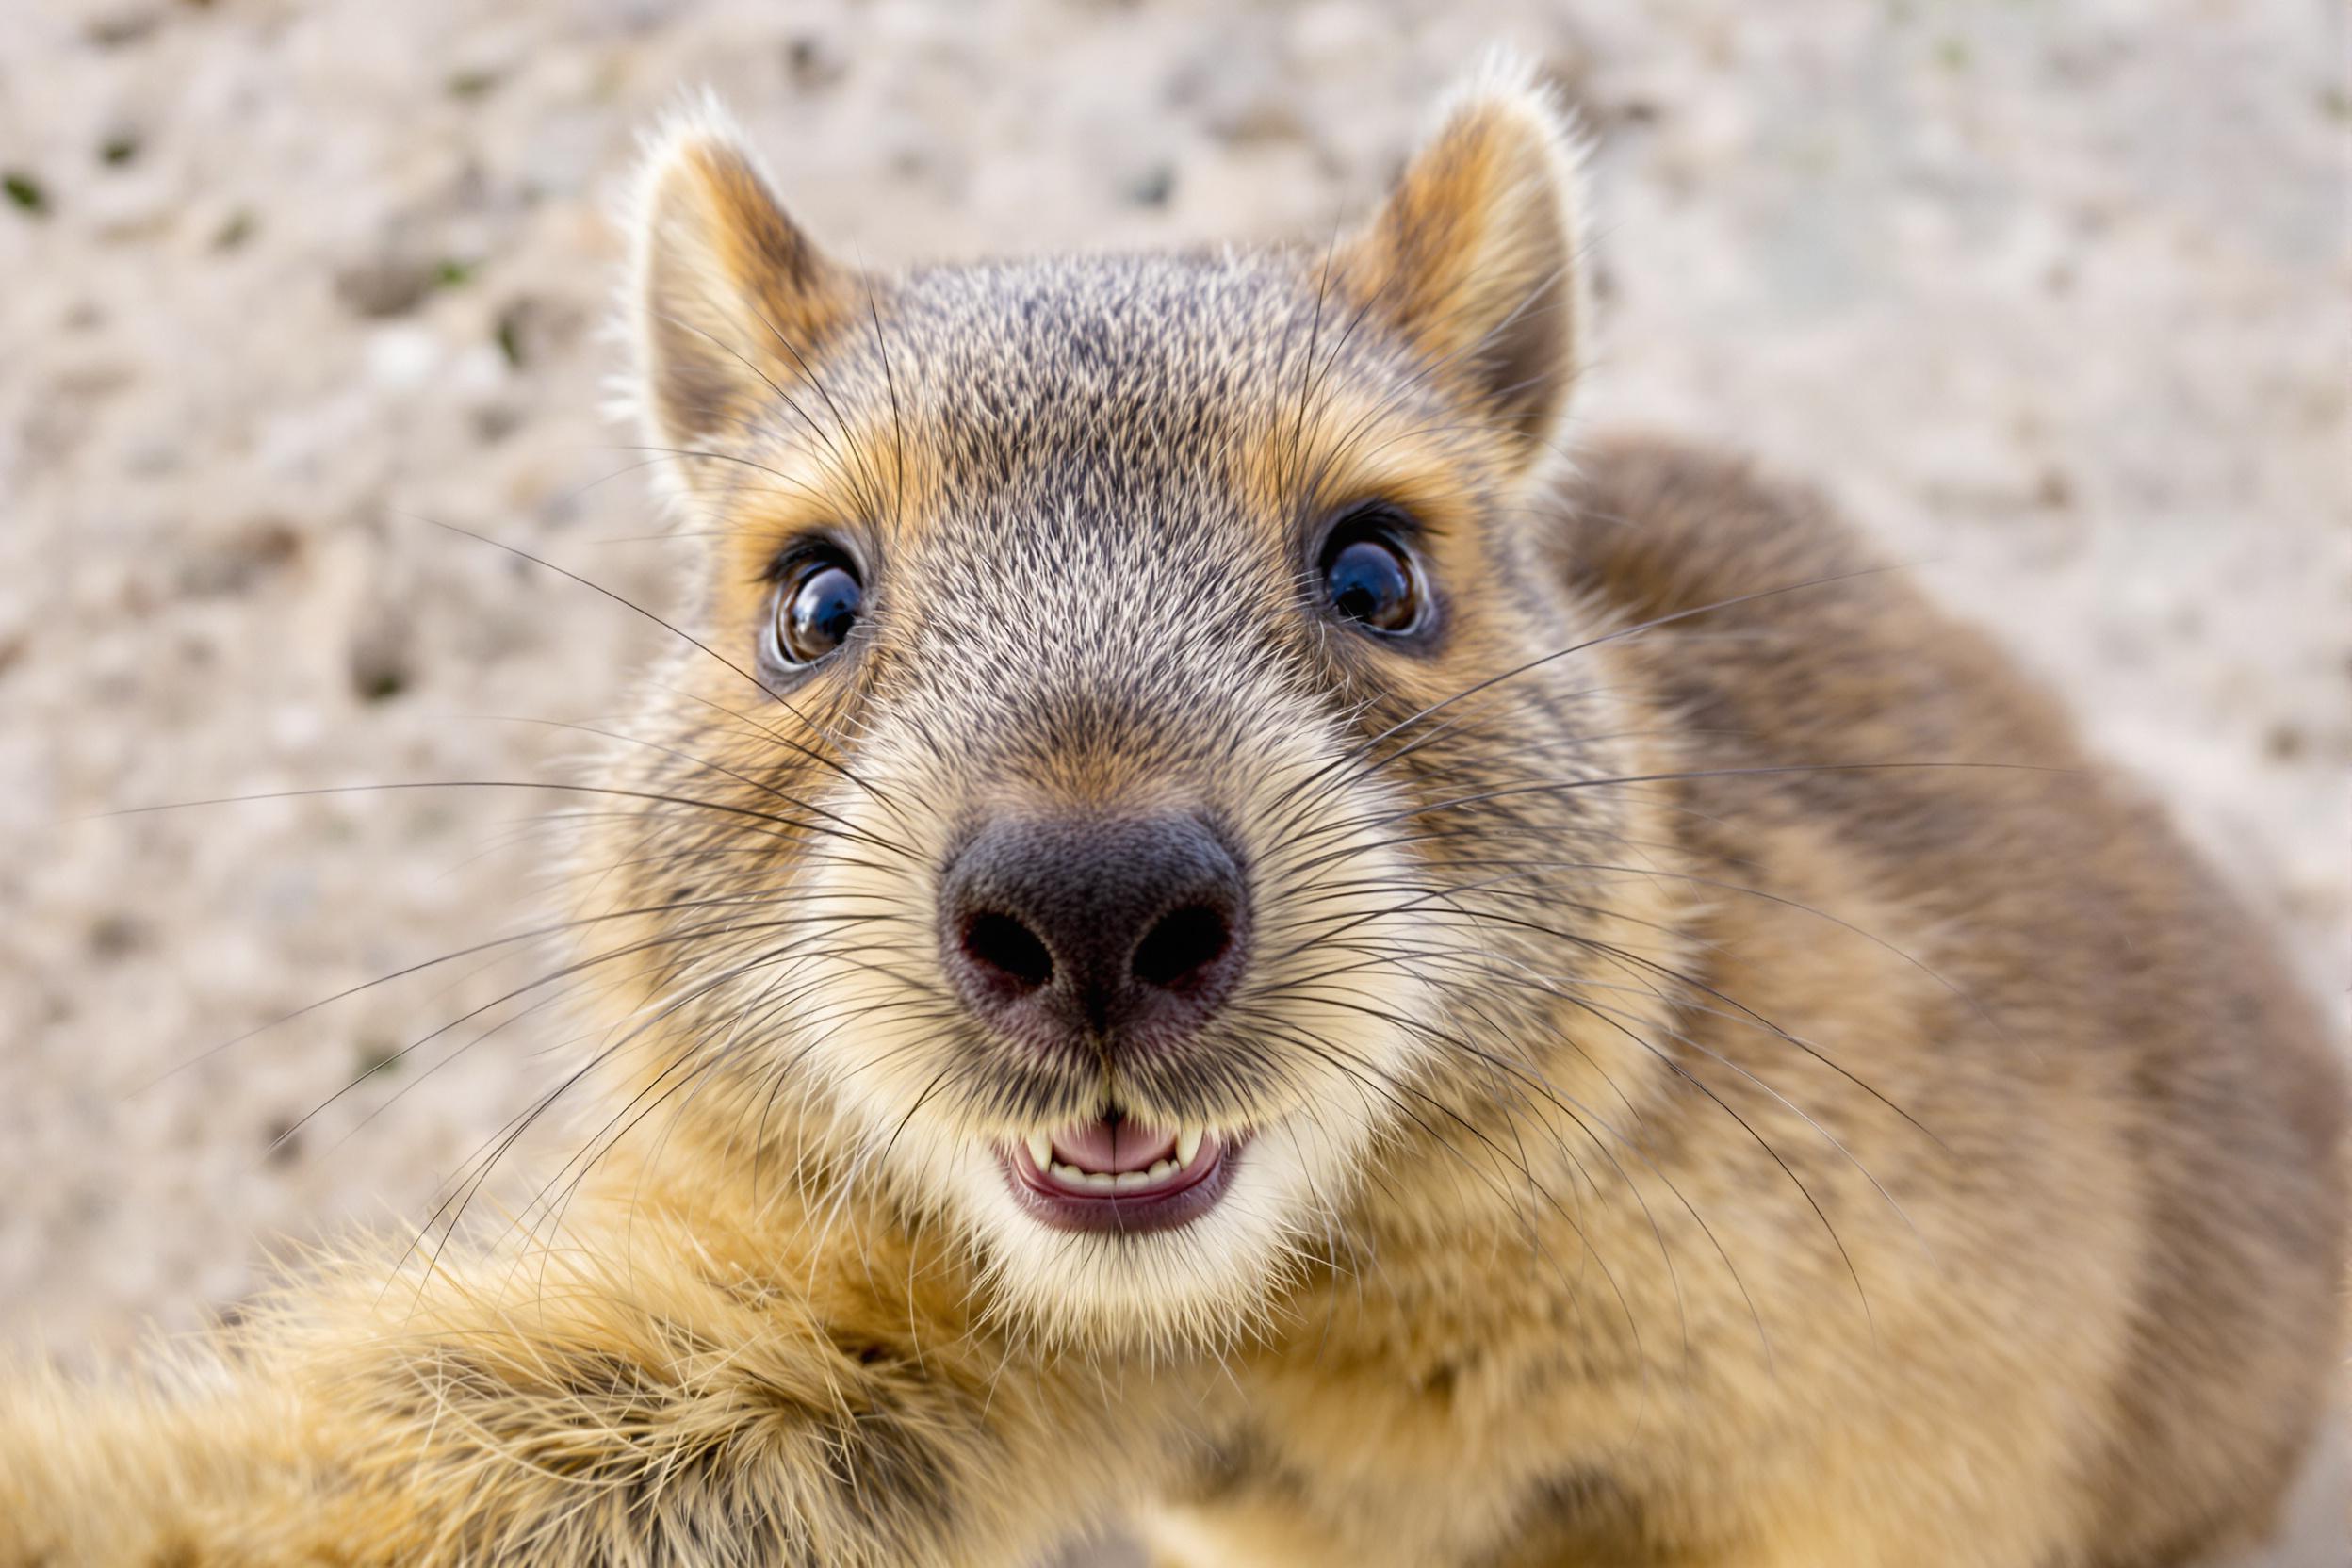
x: 731, y: 300
x: 1476, y: 257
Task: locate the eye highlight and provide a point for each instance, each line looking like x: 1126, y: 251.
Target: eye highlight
x: 818, y: 599
x: 1371, y: 576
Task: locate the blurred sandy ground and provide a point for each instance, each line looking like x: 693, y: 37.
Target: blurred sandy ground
x: 2056, y: 297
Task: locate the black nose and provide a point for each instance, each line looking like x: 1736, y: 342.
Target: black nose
x: 1128, y: 930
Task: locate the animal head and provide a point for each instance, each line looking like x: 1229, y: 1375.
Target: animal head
x: 1090, y: 786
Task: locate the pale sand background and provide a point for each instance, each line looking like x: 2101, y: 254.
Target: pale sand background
x: 2055, y: 297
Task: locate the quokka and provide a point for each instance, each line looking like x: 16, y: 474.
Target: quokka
x: 1214, y: 922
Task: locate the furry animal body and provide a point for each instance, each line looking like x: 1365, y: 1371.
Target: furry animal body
x: 1205, y: 926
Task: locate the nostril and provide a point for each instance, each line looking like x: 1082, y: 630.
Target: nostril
x: 1177, y: 952
x: 1007, y: 951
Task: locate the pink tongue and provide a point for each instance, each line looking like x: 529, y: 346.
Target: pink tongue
x: 1097, y: 1145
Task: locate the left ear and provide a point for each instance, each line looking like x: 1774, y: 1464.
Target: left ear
x: 731, y: 300
x: 1475, y: 257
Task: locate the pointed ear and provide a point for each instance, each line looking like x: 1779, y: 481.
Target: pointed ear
x: 729, y: 298
x: 1475, y: 257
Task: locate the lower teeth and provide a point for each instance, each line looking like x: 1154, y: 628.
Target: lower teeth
x: 1040, y: 1150
x: 1103, y: 1181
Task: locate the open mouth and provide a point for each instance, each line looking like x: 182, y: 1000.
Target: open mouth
x: 1114, y: 1173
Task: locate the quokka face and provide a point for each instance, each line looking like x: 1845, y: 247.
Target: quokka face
x: 1085, y: 823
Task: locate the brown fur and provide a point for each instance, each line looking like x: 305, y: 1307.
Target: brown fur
x: 1731, y: 1082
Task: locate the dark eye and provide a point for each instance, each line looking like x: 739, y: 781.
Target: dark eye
x: 1371, y: 578
x: 817, y: 601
